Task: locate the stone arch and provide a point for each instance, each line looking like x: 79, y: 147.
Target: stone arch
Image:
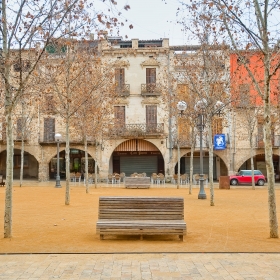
x: 259, y: 162
x: 139, y: 155
x: 220, y: 166
x: 31, y: 164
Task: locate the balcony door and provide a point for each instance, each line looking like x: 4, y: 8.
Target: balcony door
x: 151, y: 118
x: 119, y: 78
x: 119, y: 113
x: 150, y: 79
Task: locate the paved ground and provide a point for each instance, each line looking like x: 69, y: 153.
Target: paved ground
x: 141, y: 266
x: 54, y: 241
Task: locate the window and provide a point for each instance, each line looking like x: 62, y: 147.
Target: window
x: 119, y: 77
x: 150, y: 75
x: 182, y: 91
x: 151, y: 118
x: 217, y: 126
x: 49, y: 129
x: 119, y: 114
x: 244, y: 95
x: 24, y: 66
x: 49, y: 104
x: 21, y: 128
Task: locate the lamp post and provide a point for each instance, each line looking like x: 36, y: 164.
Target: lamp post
x: 57, y: 138
x: 181, y: 106
x: 200, y: 108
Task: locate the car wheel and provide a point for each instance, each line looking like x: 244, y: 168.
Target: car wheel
x: 261, y: 182
x: 234, y: 182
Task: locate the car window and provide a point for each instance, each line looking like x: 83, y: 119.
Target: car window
x: 247, y: 172
x: 257, y: 172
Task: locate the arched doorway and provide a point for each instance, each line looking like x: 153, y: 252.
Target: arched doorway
x: 77, y: 163
x: 219, y: 167
x: 30, y: 165
x: 137, y: 155
x: 259, y: 164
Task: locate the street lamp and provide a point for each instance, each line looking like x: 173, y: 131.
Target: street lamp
x: 181, y: 106
x: 57, y: 138
x: 200, y: 108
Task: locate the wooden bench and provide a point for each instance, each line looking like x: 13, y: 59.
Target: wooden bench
x: 2, y: 183
x: 137, y: 182
x: 119, y: 215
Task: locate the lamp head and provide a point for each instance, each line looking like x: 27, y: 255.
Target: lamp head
x: 181, y: 106
x: 200, y: 105
x: 57, y: 137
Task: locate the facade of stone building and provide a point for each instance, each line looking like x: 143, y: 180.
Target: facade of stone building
x: 142, y: 134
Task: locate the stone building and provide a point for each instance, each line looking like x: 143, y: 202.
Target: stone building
x: 142, y: 133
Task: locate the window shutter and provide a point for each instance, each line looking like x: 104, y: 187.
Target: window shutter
x: 150, y: 75
x: 217, y: 126
x: 49, y: 129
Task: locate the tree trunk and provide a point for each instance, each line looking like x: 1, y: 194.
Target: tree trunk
x: 22, y: 157
x: 211, y: 183
x: 9, y: 130
x: 252, y: 162
x: 95, y: 168
x: 9, y: 176
x: 191, y: 159
x: 178, y: 165
x: 67, y: 165
x: 86, y: 165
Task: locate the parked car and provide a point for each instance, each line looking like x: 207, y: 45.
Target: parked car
x: 245, y: 177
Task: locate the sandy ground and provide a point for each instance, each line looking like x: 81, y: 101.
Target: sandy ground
x: 43, y: 224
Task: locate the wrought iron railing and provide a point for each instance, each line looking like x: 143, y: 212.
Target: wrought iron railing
x: 275, y: 141
x: 150, y: 89
x: 137, y: 130
x: 123, y: 90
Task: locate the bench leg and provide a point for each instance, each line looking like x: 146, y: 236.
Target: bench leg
x: 101, y: 236
x: 181, y: 237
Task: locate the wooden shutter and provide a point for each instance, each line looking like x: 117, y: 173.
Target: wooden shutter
x: 150, y: 75
x: 119, y: 113
x: 151, y: 118
x: 20, y: 127
x: 217, y: 126
x: 182, y: 92
x: 119, y: 76
x: 49, y: 129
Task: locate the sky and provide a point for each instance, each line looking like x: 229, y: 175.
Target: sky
x: 151, y: 19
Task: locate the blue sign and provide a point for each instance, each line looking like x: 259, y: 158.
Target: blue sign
x: 220, y: 142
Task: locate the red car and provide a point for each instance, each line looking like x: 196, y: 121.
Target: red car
x: 245, y: 177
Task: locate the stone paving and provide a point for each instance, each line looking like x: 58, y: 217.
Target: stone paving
x: 216, y: 266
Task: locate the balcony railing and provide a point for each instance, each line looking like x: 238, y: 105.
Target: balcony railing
x: 275, y: 141
x: 123, y: 90
x: 183, y: 143
x: 137, y: 130
x: 150, y: 90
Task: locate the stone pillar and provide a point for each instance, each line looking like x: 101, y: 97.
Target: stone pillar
x: 134, y: 43
x: 43, y: 174
x: 165, y: 43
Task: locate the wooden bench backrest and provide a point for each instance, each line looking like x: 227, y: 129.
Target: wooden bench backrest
x: 141, y: 208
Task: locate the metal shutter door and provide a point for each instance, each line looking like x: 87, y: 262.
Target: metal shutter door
x: 196, y: 167
x: 138, y: 164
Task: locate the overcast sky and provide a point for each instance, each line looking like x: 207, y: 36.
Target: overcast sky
x: 152, y: 19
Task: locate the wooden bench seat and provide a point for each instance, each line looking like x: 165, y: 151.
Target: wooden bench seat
x: 137, y: 182
x: 141, y: 216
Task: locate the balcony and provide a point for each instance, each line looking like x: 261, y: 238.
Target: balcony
x: 123, y: 90
x: 275, y: 141
x: 183, y: 143
x: 49, y: 140
x: 150, y: 90
x: 141, y: 130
